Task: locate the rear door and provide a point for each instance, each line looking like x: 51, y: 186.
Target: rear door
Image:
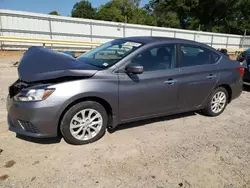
x: 199, y: 75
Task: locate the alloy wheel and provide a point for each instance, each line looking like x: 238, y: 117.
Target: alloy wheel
x: 86, y: 124
x: 219, y: 101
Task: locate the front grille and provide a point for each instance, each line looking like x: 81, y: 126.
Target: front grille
x: 27, y: 126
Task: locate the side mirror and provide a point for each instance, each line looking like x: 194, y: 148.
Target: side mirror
x: 134, y: 68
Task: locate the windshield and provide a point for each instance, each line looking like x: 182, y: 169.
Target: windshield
x: 109, y: 53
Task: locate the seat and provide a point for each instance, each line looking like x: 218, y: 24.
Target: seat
x: 202, y: 58
x: 163, y: 59
x: 146, y: 60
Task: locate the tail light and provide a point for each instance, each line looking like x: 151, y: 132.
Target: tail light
x: 241, y: 70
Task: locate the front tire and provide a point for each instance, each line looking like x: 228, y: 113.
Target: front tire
x: 84, y: 123
x: 217, y: 102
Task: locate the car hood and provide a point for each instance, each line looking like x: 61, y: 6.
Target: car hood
x: 39, y: 64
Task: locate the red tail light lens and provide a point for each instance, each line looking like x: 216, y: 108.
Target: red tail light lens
x: 241, y: 70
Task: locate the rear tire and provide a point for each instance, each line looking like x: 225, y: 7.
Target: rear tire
x: 216, y: 103
x: 84, y: 123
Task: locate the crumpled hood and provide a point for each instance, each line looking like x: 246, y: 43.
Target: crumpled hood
x: 39, y: 64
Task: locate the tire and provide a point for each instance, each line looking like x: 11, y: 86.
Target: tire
x: 74, y: 117
x: 208, y: 109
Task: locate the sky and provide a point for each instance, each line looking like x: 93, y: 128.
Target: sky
x: 64, y: 7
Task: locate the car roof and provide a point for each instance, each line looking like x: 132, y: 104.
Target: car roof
x: 151, y: 39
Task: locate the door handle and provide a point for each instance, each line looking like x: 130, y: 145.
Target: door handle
x: 170, y: 81
x: 211, y: 76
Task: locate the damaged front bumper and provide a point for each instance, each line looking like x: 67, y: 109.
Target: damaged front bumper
x: 35, y: 119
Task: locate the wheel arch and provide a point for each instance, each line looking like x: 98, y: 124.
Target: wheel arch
x: 100, y: 100
x: 229, y: 91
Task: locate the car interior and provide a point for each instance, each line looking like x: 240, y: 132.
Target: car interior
x: 161, y: 58
x: 192, y: 56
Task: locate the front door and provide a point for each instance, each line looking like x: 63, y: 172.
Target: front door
x: 155, y: 90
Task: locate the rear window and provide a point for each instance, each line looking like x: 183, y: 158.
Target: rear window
x: 191, y: 51
x: 192, y: 55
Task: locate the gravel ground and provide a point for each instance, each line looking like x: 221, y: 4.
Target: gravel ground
x: 187, y: 150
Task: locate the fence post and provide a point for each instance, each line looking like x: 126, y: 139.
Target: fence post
x: 50, y: 31
x: 174, y: 34
x: 227, y: 41
x: 124, y: 30
x: 151, y: 32
x: 91, y: 31
x: 194, y: 36
x: 212, y: 40
x: 242, y: 41
x: 1, y: 31
x: 244, y: 38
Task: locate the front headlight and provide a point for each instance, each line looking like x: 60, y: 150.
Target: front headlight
x: 33, y: 95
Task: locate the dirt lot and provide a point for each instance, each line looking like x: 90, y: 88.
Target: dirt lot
x: 187, y: 150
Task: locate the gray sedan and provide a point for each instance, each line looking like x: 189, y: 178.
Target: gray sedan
x: 124, y: 80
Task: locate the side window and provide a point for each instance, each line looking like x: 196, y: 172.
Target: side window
x: 195, y: 55
x: 157, y: 58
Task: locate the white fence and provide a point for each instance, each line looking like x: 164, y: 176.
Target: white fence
x: 32, y: 25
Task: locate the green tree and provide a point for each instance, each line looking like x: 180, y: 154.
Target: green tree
x: 111, y: 11
x: 83, y: 9
x: 141, y: 16
x: 127, y: 11
x: 224, y: 16
x: 54, y: 13
x: 239, y: 20
x: 172, y: 13
x: 227, y: 16
x: 215, y: 14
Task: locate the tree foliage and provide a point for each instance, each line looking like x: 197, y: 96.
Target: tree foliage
x: 228, y: 16
x: 83, y: 9
x: 127, y: 11
x: 54, y: 13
